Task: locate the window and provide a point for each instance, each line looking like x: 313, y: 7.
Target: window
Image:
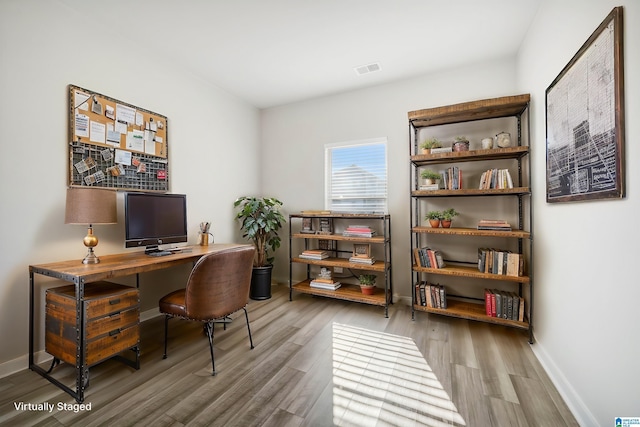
x: 356, y: 176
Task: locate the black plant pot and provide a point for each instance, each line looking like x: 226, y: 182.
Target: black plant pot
x: 261, y: 283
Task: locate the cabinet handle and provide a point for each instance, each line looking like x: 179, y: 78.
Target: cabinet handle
x: 114, y: 332
x: 114, y: 301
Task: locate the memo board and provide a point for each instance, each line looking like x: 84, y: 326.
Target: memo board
x: 116, y: 145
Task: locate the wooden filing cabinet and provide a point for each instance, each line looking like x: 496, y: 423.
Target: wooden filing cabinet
x: 111, y: 315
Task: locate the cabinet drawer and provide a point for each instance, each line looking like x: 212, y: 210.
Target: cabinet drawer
x: 100, y: 299
x: 116, y: 341
x: 112, y: 322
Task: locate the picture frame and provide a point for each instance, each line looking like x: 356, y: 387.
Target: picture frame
x: 585, y: 120
x: 361, y: 250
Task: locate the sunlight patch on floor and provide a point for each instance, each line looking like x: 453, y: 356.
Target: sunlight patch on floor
x: 383, y: 379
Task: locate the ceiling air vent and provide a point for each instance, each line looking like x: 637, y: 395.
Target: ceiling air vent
x: 369, y: 68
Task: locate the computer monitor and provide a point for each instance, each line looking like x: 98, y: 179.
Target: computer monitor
x: 153, y: 219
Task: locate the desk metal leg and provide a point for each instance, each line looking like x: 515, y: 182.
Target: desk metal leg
x: 31, y: 321
x: 82, y: 379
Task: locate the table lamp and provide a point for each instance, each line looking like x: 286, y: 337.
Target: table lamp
x: 90, y: 206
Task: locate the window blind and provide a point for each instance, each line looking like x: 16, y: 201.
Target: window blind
x: 356, y: 176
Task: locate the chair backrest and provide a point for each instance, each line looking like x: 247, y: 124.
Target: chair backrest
x: 219, y: 283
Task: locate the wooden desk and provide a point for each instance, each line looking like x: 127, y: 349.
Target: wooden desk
x: 110, y: 266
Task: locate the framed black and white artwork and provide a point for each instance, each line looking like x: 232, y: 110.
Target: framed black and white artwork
x: 585, y: 120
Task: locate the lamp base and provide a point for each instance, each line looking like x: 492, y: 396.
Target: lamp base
x: 91, y: 258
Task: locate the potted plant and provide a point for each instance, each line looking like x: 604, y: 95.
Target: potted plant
x: 260, y: 219
x: 367, y: 283
x: 430, y: 177
x: 430, y: 143
x: 434, y: 218
x: 461, y: 144
x: 447, y: 217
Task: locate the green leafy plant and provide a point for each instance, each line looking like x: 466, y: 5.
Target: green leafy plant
x: 448, y: 214
x: 461, y: 139
x: 433, y: 215
x: 260, y: 219
x: 367, y: 279
x: 429, y: 174
x: 430, y: 143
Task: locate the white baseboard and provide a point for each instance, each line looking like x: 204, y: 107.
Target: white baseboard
x: 580, y: 411
x: 22, y: 362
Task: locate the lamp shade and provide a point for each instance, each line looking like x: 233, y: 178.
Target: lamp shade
x: 90, y: 206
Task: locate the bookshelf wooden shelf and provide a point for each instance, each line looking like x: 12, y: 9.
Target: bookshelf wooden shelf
x: 462, y: 271
x: 344, y: 292
x: 471, y: 192
x: 372, y: 240
x: 470, y: 156
x: 341, y: 248
x: 472, y: 311
x: 379, y: 266
x: 517, y: 234
x: 458, y: 244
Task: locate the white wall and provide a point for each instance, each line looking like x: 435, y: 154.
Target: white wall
x: 44, y: 47
x: 587, y: 292
x: 293, y: 137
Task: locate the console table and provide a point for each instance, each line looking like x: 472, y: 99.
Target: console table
x: 110, y: 266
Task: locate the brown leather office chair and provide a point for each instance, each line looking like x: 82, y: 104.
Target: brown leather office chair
x: 217, y: 287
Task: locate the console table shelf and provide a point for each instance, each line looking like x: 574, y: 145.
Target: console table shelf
x: 340, y: 248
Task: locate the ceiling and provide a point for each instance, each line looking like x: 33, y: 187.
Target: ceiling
x: 273, y: 52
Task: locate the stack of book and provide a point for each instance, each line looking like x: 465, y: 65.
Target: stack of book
x: 359, y: 231
x: 504, y: 304
x: 314, y: 254
x: 429, y: 187
x: 494, y: 224
x: 433, y: 296
x: 495, y: 261
x: 441, y: 150
x: 327, y: 284
x: 429, y: 258
x: 495, y: 178
x: 325, y: 280
x: 359, y: 259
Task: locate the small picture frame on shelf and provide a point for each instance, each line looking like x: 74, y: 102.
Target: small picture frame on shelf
x: 307, y: 226
x: 326, y: 226
x: 362, y: 250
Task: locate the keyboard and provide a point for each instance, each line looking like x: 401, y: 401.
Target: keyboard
x: 159, y: 253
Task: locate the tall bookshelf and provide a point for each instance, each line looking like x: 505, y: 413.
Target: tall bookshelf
x: 460, y: 245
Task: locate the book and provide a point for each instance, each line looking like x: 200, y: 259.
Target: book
x: 321, y: 285
x: 362, y: 260
x: 487, y: 301
x: 493, y: 224
x: 513, y: 264
x: 443, y: 297
x: 429, y: 187
x: 315, y: 212
x: 441, y: 150
x: 314, y: 254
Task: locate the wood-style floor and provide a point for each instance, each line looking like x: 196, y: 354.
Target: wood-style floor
x: 316, y: 362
